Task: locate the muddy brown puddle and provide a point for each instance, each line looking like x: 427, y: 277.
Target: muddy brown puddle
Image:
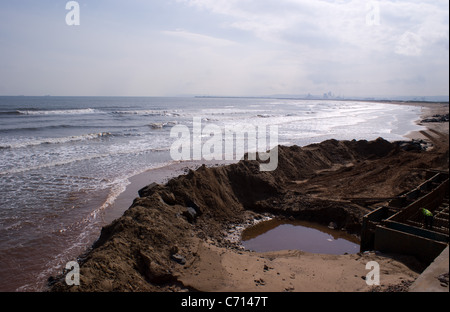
x: 275, y: 235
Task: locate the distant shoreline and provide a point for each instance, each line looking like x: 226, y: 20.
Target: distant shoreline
x: 314, y: 98
x: 395, y: 100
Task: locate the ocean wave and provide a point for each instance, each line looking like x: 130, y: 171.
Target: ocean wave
x: 9, y: 113
x: 265, y: 115
x: 160, y: 125
x: 62, y: 140
x: 52, y: 164
x: 58, y: 112
x: 148, y: 112
x: 228, y: 111
x: 22, y: 127
x: 120, y: 151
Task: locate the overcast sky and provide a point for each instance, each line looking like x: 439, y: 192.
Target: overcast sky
x: 225, y: 47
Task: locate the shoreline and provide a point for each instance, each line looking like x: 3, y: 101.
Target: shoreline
x: 217, y: 267
x: 429, y: 110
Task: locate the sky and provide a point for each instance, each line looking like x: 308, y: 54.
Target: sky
x: 224, y: 47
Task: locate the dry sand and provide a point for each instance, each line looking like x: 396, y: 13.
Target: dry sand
x: 222, y: 270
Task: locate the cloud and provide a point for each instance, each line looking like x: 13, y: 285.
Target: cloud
x: 409, y: 44
x: 200, y: 39
x: 227, y: 47
x: 346, y: 22
x: 330, y: 42
x: 416, y: 27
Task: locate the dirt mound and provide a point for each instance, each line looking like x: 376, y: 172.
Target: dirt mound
x: 145, y: 248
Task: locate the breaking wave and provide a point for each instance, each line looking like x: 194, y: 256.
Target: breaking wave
x: 58, y: 112
x: 62, y: 140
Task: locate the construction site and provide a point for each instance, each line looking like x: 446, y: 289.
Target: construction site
x: 400, y: 227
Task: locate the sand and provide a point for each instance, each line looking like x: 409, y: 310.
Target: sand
x: 154, y: 246
x: 221, y: 270
x: 157, y: 175
x: 428, y: 111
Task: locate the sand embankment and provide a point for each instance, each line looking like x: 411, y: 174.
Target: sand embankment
x: 159, y: 244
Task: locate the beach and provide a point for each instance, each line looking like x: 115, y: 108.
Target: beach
x: 68, y: 165
x: 197, y: 146
x: 160, y: 245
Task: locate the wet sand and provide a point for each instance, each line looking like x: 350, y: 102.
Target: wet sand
x: 428, y: 111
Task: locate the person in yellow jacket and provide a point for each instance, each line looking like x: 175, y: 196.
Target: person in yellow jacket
x: 428, y: 215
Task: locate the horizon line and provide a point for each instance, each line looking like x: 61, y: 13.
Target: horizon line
x: 407, y: 98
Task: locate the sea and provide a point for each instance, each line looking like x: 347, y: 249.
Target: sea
x: 65, y: 160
